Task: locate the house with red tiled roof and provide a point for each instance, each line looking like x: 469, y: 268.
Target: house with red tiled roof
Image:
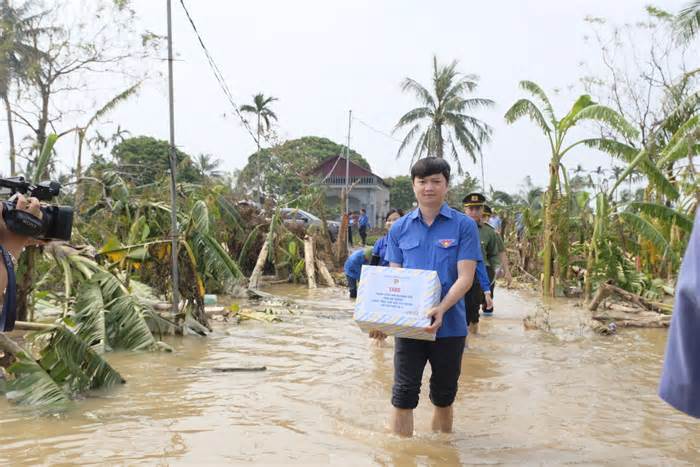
x: 368, y: 190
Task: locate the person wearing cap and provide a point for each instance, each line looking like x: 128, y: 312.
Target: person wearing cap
x: 478, y: 295
x: 501, y: 260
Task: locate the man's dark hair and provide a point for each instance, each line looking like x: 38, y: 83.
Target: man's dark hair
x: 392, y: 211
x: 430, y: 166
x: 363, y: 210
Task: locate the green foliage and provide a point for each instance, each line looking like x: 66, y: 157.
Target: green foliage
x: 261, y: 109
x: 557, y: 213
x: 144, y: 160
x: 286, y: 168
x: 32, y: 385
x: 68, y: 365
x: 648, y: 231
x: 462, y: 187
x: 401, y: 192
x: 73, y: 364
x: 688, y: 21
x: 42, y: 162
x: 665, y: 214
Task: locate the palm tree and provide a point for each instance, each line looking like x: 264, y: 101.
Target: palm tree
x: 17, y: 29
x: 261, y: 109
x: 688, y: 21
x: 208, y: 166
x: 82, y: 131
x: 541, y: 112
x: 442, y: 120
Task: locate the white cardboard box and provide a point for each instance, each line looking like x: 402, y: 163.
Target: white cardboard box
x: 395, y: 301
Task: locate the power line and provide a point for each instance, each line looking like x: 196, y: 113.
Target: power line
x: 218, y: 75
x: 380, y: 132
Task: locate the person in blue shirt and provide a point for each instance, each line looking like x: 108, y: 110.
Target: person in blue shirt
x: 363, y: 225
x: 353, y: 268
x: 379, y: 252
x: 439, y: 238
x: 379, y: 248
x: 680, y: 380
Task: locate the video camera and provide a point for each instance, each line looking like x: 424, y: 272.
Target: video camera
x: 56, y: 222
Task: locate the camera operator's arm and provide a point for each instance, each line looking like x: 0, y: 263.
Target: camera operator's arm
x: 13, y: 243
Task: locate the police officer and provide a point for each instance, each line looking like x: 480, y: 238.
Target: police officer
x: 473, y: 207
x: 487, y: 233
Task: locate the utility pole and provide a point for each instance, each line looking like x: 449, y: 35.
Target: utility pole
x: 174, y: 237
x: 483, y: 183
x: 347, y: 166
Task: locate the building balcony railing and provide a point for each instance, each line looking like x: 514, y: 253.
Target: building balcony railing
x: 337, y: 180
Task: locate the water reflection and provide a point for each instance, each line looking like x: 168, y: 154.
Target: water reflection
x: 525, y: 397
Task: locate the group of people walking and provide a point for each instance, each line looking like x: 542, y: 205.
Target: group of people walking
x: 479, y: 299
x: 467, y: 252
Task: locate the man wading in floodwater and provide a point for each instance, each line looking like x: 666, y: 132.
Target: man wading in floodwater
x: 438, y: 238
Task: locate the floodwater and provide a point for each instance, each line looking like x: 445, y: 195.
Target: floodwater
x: 525, y: 398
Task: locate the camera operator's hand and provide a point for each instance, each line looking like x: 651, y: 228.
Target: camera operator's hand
x: 13, y: 242
x: 31, y: 205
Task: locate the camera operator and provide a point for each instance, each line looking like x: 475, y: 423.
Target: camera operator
x: 11, y: 246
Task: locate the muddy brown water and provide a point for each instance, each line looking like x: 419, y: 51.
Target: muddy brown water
x: 525, y: 397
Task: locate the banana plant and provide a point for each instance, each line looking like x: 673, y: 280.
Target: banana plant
x: 557, y: 132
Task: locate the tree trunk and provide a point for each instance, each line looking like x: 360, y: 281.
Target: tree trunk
x: 309, y: 261
x: 9, y: 346
x: 440, y: 143
x: 600, y: 295
x: 324, y: 273
x: 341, y: 243
x: 260, y: 178
x: 25, y: 282
x: 605, y: 290
x: 79, y: 170
x: 11, y: 137
x: 258, y: 269
x: 588, y: 279
x: 548, y: 227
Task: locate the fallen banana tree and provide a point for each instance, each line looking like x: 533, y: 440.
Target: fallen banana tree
x: 67, y: 357
x: 642, y: 313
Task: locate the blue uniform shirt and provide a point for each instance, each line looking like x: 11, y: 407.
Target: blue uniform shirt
x: 379, y: 249
x: 452, y: 237
x: 483, y: 277
x: 680, y: 380
x: 353, y: 265
x: 363, y: 221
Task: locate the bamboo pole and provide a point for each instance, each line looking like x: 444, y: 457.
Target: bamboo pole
x: 309, y: 261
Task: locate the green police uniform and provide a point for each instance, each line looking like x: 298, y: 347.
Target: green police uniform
x: 491, y: 246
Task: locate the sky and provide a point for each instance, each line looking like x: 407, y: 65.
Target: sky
x: 321, y: 58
